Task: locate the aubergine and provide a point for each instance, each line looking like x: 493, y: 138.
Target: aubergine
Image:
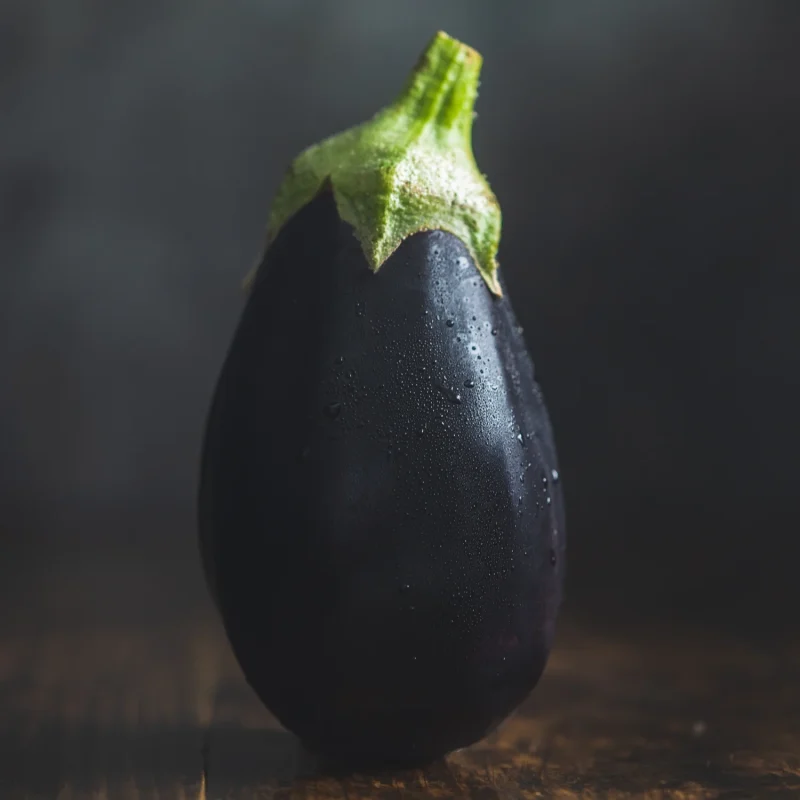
x: 380, y: 512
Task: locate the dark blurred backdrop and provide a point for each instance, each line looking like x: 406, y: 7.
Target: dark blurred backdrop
x: 646, y: 157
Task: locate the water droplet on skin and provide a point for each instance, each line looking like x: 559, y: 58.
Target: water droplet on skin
x: 360, y: 308
x: 451, y: 394
x: 544, y: 480
x: 548, y: 501
x: 521, y: 439
x: 404, y: 587
x: 552, y: 557
x: 494, y: 331
x: 340, y: 359
x: 469, y: 383
x: 555, y: 475
x: 332, y: 410
x: 450, y: 323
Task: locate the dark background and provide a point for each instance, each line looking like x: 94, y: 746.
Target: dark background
x: 646, y: 157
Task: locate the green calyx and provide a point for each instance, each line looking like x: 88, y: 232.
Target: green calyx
x: 408, y: 169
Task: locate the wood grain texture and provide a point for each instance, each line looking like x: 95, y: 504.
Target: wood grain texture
x: 144, y: 713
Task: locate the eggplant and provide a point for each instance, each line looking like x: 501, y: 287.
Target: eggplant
x: 380, y: 512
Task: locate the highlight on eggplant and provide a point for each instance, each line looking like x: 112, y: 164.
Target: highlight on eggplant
x: 380, y: 512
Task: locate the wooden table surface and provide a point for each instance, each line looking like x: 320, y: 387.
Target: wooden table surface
x: 110, y: 712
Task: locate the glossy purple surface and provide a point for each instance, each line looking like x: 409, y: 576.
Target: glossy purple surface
x: 381, y: 518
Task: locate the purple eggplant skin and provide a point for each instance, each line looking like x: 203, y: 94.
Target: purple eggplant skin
x: 381, y: 520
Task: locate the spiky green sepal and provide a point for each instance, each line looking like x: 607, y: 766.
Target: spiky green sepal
x: 409, y: 169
